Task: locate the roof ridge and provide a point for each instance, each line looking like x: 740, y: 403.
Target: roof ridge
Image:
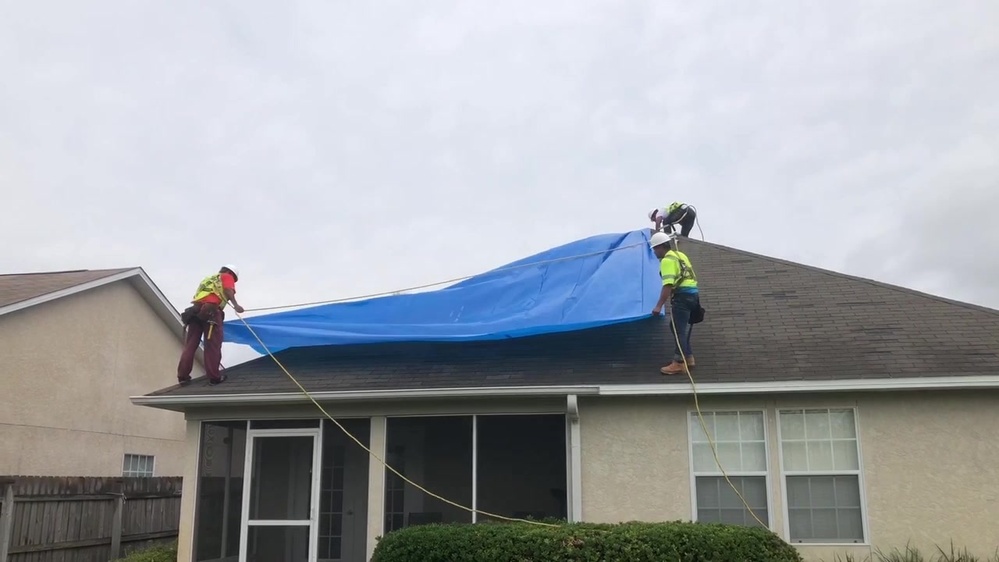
x: 833, y: 273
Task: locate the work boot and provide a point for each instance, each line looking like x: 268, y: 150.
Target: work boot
x: 219, y: 380
x: 673, y: 368
x: 690, y: 361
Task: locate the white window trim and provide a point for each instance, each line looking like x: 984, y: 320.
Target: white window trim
x: 864, y: 518
x: 152, y: 470
x: 693, y: 474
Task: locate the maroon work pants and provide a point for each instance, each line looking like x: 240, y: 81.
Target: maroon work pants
x: 212, y: 335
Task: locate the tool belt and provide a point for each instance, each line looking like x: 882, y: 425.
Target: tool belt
x: 204, y: 312
x: 696, y: 315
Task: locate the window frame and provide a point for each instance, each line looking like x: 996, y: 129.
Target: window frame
x: 859, y: 473
x: 152, y: 465
x: 474, y: 504
x: 692, y: 419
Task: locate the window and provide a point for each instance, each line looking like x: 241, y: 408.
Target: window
x: 221, y: 461
x: 740, y: 439
x: 821, y: 465
x: 520, y: 466
x: 507, y: 465
x: 343, y: 495
x: 137, y: 466
x: 435, y: 452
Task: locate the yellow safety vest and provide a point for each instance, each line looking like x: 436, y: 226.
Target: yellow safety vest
x: 211, y: 285
x: 686, y: 278
x: 674, y: 206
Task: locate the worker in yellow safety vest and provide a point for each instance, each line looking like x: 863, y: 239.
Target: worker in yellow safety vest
x: 676, y: 213
x: 679, y: 295
x: 204, y: 318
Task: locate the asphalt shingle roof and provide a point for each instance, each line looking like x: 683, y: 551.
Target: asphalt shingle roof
x: 767, y: 320
x: 19, y: 287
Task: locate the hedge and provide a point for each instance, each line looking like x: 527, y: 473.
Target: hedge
x: 584, y: 542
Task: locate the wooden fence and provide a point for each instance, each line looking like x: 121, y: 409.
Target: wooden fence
x: 50, y: 519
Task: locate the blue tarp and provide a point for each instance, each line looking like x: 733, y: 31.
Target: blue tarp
x: 615, y: 280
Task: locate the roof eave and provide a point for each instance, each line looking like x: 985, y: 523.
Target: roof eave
x: 970, y: 382
x: 181, y: 402
x: 954, y: 382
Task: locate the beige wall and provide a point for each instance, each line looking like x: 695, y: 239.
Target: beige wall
x: 68, y: 368
x: 929, y: 464
x: 928, y: 461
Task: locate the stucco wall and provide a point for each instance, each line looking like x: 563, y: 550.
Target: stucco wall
x: 929, y: 464
x: 68, y: 369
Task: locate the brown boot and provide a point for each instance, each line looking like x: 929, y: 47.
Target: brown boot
x: 690, y: 361
x: 673, y: 368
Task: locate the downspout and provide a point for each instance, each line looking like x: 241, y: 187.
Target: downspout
x: 575, y: 459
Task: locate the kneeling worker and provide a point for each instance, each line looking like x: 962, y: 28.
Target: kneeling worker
x: 677, y: 213
x: 680, y: 295
x: 204, y: 318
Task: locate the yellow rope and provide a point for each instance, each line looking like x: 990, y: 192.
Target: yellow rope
x: 375, y: 455
x: 686, y: 368
x: 704, y: 427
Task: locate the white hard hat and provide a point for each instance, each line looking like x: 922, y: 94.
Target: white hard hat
x: 659, y: 238
x: 233, y: 269
x: 652, y: 214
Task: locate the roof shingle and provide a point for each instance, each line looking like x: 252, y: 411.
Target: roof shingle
x: 767, y: 320
x: 20, y: 287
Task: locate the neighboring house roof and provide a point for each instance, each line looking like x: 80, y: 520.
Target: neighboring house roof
x: 25, y: 290
x: 17, y: 288
x: 770, y: 324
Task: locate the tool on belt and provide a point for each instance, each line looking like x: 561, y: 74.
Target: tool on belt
x: 204, y: 312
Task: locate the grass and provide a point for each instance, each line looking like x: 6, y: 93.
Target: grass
x: 156, y: 554
x: 912, y: 554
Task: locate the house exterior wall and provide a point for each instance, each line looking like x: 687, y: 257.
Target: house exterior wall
x: 927, y: 461
x: 68, y: 369
x: 927, y: 464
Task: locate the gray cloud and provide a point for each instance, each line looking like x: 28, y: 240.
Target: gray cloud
x: 333, y: 149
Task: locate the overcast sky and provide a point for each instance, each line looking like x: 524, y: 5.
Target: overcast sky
x: 338, y: 148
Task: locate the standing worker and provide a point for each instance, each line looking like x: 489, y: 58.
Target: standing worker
x: 677, y: 213
x: 680, y: 295
x: 204, y: 318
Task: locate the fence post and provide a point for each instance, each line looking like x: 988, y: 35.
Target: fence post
x: 119, y: 508
x: 6, y: 517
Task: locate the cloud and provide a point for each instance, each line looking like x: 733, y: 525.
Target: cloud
x: 334, y: 149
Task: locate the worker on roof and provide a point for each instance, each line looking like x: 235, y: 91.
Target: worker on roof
x: 204, y: 318
x: 677, y: 213
x: 679, y: 295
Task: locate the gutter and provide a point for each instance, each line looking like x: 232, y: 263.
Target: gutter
x: 972, y: 382
x: 360, y: 395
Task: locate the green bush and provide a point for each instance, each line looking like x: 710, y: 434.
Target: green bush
x: 625, y: 542
x: 156, y: 554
